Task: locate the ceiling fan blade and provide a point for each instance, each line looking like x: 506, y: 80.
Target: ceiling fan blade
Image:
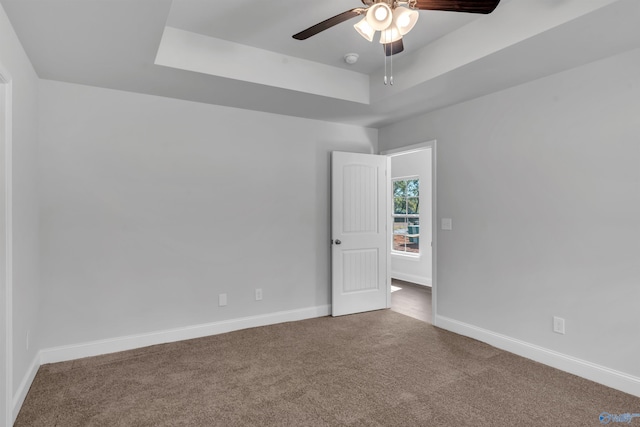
x: 328, y: 23
x: 469, y: 6
x: 393, y: 47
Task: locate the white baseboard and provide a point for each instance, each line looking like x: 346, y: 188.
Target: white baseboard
x: 425, y: 281
x: 591, y: 371
x: 113, y: 345
x: 25, y: 385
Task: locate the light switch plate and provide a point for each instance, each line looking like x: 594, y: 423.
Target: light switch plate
x: 447, y: 224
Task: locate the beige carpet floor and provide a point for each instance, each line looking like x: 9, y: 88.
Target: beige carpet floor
x: 373, y: 369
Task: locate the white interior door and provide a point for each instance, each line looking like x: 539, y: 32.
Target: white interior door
x: 360, y: 242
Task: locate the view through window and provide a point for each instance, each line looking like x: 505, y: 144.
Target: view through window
x: 406, y: 215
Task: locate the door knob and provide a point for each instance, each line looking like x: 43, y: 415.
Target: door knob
x: 338, y: 242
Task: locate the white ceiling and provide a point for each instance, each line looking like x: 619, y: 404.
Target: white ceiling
x: 270, y: 24
x: 241, y: 54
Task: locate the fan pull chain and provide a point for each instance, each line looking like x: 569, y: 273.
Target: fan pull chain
x: 391, y: 78
x: 385, y: 68
x: 388, y: 79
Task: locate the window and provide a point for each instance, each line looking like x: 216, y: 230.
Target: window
x: 406, y: 215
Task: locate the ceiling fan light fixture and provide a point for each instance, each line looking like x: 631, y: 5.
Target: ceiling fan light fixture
x: 405, y: 19
x: 365, y: 30
x: 390, y: 35
x: 379, y: 16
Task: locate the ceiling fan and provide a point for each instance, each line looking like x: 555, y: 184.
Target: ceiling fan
x: 395, y: 18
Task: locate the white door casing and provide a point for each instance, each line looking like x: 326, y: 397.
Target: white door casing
x: 360, y: 242
x: 6, y: 251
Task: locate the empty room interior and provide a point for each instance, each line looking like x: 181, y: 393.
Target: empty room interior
x: 208, y: 208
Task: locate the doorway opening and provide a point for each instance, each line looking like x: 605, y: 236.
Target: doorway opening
x: 411, y: 299
x: 412, y: 228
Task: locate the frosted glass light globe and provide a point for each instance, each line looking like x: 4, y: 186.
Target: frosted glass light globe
x: 403, y: 21
x: 381, y: 14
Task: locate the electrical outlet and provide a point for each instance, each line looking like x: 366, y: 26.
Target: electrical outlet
x: 258, y: 294
x: 222, y: 300
x: 558, y: 325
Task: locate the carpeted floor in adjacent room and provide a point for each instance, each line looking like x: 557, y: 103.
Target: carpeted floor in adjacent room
x: 373, y: 369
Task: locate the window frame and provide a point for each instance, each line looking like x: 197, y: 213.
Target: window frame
x: 407, y: 216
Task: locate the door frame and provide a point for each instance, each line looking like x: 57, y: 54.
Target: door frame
x: 432, y: 144
x: 6, y: 239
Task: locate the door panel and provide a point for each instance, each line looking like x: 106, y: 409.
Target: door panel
x: 360, y: 239
x: 360, y: 270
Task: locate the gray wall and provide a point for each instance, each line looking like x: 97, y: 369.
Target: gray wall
x: 151, y: 207
x: 25, y: 209
x: 543, y: 184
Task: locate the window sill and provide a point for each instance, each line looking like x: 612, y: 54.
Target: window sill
x: 404, y: 255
